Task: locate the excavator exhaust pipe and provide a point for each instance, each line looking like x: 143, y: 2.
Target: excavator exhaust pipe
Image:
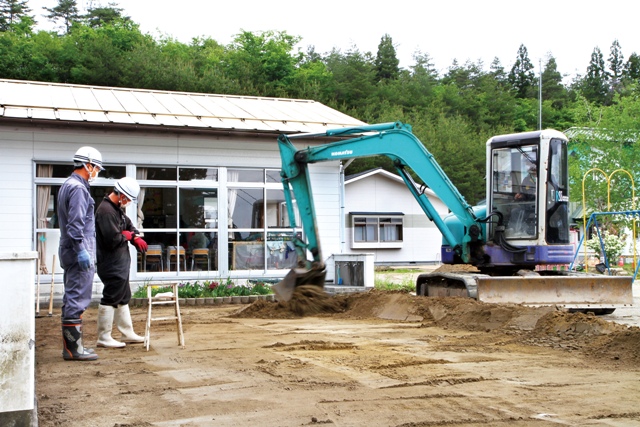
x: 297, y: 277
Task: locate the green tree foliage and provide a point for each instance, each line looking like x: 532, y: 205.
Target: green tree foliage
x: 460, y: 151
x: 521, y: 77
x: 607, y: 139
x: 616, y: 63
x: 453, y: 113
x: 354, y: 76
x: 12, y: 12
x: 632, y: 68
x: 65, y: 13
x: 595, y: 85
x: 263, y: 62
x: 386, y: 60
x: 552, y: 87
x: 102, y: 15
x: 470, y: 92
x: 98, y: 56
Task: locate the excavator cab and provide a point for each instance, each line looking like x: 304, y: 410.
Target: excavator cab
x: 520, y: 180
x: 527, y: 195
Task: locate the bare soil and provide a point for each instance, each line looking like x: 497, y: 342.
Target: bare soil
x: 369, y: 359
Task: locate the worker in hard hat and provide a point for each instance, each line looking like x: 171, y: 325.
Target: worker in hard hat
x: 522, y: 217
x: 77, y: 249
x: 114, y: 232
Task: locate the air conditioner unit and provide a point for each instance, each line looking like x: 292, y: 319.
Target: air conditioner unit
x: 354, y: 270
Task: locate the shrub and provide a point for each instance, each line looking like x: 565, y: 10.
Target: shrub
x: 208, y: 289
x: 613, y: 246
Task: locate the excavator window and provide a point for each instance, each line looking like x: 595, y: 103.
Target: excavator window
x: 515, y: 189
x: 557, y: 194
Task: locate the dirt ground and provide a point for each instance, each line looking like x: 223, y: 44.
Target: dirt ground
x: 368, y: 359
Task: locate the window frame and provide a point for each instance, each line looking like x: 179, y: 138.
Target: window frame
x: 381, y: 221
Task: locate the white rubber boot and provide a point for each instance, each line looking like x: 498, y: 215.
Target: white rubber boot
x: 125, y: 325
x: 105, y: 325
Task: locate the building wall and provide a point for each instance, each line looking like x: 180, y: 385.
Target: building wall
x: 377, y: 193
x: 16, y: 191
x: 22, y: 146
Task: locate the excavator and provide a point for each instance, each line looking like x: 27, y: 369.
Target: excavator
x: 514, y: 248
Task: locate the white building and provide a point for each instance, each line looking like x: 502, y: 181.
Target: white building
x: 382, y: 217
x: 208, y: 165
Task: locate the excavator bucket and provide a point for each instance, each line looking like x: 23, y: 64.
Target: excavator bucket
x: 297, y: 277
x: 571, y: 292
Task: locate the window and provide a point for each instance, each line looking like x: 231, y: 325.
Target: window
x: 515, y: 189
x: 259, y: 230
x: 49, y: 177
x: 180, y: 212
x: 377, y: 230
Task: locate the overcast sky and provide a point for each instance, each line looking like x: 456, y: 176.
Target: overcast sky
x: 445, y: 29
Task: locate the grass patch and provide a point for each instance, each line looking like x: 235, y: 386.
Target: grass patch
x: 387, y: 285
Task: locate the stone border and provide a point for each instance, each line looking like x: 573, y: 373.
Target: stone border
x: 247, y: 299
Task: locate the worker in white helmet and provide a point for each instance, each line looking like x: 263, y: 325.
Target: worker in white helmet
x: 77, y: 249
x: 114, y: 232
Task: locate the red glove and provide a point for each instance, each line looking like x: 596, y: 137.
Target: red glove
x: 140, y: 244
x: 128, y: 235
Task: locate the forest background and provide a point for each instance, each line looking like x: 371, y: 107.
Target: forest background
x: 453, y: 113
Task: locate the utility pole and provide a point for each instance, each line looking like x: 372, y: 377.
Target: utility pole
x: 540, y: 95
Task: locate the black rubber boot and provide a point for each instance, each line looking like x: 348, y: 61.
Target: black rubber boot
x: 72, y: 341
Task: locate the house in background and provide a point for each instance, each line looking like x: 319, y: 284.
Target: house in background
x: 208, y: 166
x: 382, y: 217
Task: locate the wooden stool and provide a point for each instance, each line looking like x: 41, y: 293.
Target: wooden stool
x: 163, y: 299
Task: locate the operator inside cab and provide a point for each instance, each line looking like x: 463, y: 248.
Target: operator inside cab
x: 522, y: 219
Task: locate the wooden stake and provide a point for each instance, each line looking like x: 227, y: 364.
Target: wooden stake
x: 38, y: 290
x: 53, y: 270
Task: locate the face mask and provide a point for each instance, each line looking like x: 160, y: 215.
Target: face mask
x: 125, y: 203
x: 93, y: 174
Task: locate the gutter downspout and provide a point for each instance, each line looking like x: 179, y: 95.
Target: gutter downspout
x: 342, y: 205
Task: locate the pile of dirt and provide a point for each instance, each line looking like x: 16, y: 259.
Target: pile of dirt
x: 460, y: 268
x: 447, y: 312
x: 589, y: 334
x: 542, y: 326
x: 306, y: 300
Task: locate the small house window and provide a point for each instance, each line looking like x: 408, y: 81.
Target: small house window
x: 377, y: 230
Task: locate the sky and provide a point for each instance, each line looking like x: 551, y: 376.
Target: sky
x: 446, y: 30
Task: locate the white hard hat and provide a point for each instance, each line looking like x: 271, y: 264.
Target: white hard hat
x: 88, y: 155
x: 129, y: 187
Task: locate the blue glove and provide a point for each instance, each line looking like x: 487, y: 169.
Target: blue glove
x: 84, y: 259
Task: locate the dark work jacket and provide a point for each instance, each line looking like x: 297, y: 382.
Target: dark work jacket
x: 75, y: 216
x: 114, y: 259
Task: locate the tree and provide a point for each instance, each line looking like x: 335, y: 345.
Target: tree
x: 263, y: 62
x: 594, y: 86
x: 386, y: 61
x: 475, y: 94
x: 552, y: 87
x: 616, y: 64
x: 100, y: 16
x: 66, y: 11
x: 521, y: 77
x: 354, y: 77
x: 497, y: 71
x: 632, y: 68
x: 12, y: 12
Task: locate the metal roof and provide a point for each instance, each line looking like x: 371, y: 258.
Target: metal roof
x: 379, y: 171
x: 32, y: 100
